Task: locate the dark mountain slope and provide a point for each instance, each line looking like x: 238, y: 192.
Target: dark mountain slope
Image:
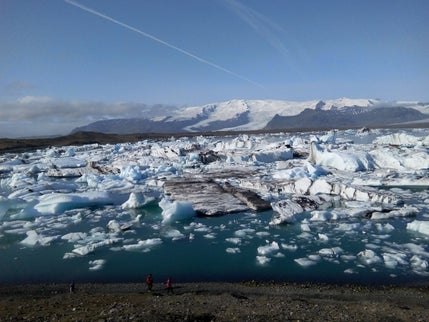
x: 351, y: 117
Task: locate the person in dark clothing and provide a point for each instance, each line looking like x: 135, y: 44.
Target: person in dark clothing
x: 71, y: 286
x: 149, y: 282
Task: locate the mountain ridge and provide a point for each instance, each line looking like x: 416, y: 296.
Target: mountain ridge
x: 249, y: 115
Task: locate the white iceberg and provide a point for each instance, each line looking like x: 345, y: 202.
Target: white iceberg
x: 176, y: 210
x: 419, y: 226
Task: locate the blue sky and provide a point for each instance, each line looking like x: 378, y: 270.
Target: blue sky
x: 77, y: 66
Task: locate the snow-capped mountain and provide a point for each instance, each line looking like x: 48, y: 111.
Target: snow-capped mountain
x: 247, y: 115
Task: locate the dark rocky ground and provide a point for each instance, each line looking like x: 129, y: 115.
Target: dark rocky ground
x: 248, y: 301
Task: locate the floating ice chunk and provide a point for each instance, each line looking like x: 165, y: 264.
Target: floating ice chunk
x: 35, y: 239
x: 350, y: 271
x: 143, y: 245
x: 320, y: 215
x: 340, y: 160
x: 314, y: 257
x: 323, y: 237
x: 176, y: 210
x: 416, y: 249
x: 401, y: 160
x: 417, y: 161
x: 305, y: 261
x: 69, y: 255
x: 348, y: 226
x: 320, y: 186
x: 406, y: 211
x: 263, y: 233
x: 369, y: 257
x: 331, y: 252
x: 302, y: 185
x: 96, y: 264
x: 210, y: 236
x: 165, y: 152
x: 307, y: 171
x: 419, y: 265
x: 386, y: 228
x: 328, y: 138
x: 244, y: 233
x: 90, y: 248
x: 70, y: 152
x: 116, y: 227
x: 194, y: 225
x: 419, y: 226
x: 233, y: 250
x: 135, y: 200
x: 131, y: 173
x: 5, y: 205
x: 268, y: 249
x: 174, y: 234
x: 305, y: 227
x: 392, y: 260
x: 268, y: 156
x: 402, y: 139
x: 288, y: 247
x: 262, y: 260
x: 69, y: 162
x: 55, y: 203
x: 233, y: 240
x: 286, y: 211
x: 74, y: 237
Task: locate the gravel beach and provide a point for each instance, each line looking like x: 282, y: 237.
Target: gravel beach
x: 247, y: 301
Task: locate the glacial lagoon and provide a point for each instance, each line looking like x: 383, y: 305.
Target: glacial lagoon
x: 61, y: 220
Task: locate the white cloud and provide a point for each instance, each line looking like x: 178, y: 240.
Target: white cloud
x: 43, y: 115
x: 34, y: 100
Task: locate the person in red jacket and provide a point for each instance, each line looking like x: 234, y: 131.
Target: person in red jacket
x: 168, y: 286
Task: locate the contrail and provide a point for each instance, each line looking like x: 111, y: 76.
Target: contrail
x: 202, y: 60
x: 260, y: 23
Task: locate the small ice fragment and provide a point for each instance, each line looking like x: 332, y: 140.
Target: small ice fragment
x: 96, y: 264
x: 233, y: 250
x: 262, y: 260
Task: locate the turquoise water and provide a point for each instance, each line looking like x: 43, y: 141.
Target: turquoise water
x: 200, y: 252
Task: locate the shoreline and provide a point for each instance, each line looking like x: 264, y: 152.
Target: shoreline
x: 214, y: 301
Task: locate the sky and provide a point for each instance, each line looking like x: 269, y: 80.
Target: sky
x: 68, y: 63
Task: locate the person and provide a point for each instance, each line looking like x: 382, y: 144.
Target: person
x: 71, y: 286
x: 149, y: 282
x: 168, y: 285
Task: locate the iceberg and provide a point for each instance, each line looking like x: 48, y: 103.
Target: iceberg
x: 268, y: 249
x: 176, y: 210
x: 419, y: 226
x: 143, y: 245
x: 345, y: 161
x: 135, y: 200
x: 56, y: 203
x: 35, y: 239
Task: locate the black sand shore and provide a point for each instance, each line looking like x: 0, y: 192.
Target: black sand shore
x: 247, y: 301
